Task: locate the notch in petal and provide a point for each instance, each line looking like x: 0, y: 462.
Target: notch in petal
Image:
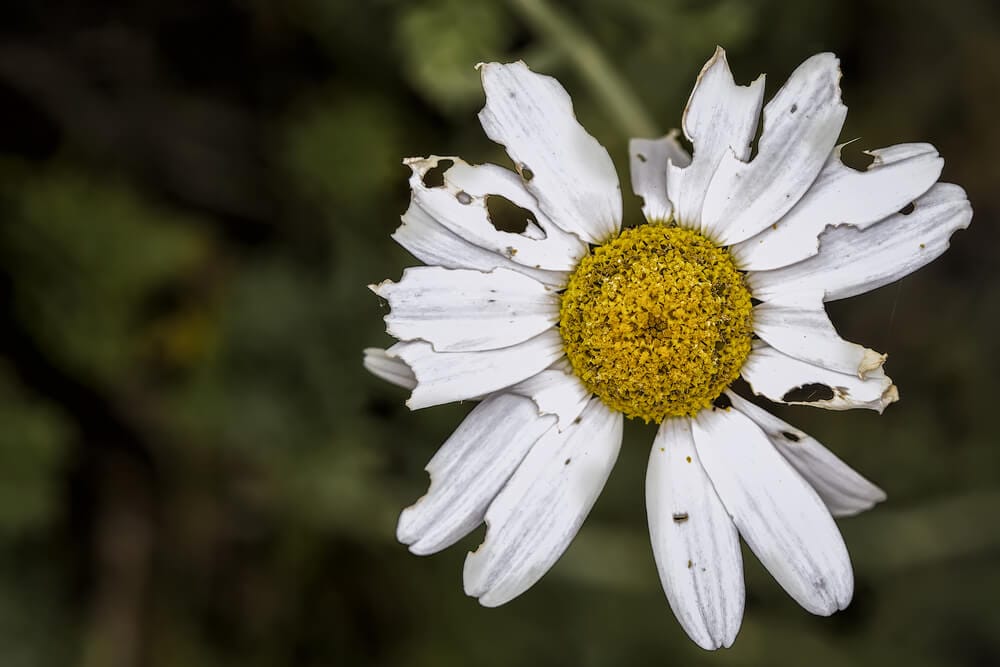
x: 469, y: 470
x: 540, y: 510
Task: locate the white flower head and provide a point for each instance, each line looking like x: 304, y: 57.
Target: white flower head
x: 564, y: 329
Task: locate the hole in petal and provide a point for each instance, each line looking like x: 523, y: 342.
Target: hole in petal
x: 525, y: 172
x: 908, y: 209
x: 808, y: 393
x: 854, y: 156
x: 795, y: 107
x: 434, y: 177
x: 507, y: 216
x: 640, y: 157
x: 791, y: 436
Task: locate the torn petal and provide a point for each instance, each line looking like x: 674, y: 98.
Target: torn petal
x: 649, y: 159
x: 395, y: 371
x: 443, y: 377
x: 430, y: 242
x: 720, y: 117
x: 540, y: 510
x: 567, y: 170
x: 461, y: 310
x: 804, y: 331
x: 784, y: 379
x: 556, y: 392
x: 469, y: 470
x: 853, y: 261
x: 801, y: 126
x: 460, y: 206
x: 843, y: 196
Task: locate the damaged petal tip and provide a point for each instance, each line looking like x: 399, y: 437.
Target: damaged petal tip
x: 871, y: 361
x: 890, y: 396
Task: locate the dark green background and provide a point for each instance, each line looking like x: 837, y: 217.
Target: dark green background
x: 194, y: 468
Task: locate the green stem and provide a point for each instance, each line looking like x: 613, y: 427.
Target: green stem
x: 599, y: 74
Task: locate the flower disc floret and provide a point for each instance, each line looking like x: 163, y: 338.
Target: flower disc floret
x: 657, y: 322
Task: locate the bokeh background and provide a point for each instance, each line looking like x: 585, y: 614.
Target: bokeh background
x: 196, y: 471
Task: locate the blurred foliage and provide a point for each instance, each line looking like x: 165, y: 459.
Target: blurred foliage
x: 194, y: 468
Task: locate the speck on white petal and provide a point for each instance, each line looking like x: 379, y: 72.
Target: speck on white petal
x: 555, y: 391
x: 801, y: 126
x: 460, y: 206
x: 803, y: 330
x: 648, y: 160
x: 430, y: 242
x: 852, y: 261
x: 720, y: 117
x: 844, y: 491
x: 443, y: 377
x: 461, y: 310
x: 469, y: 470
x: 695, y: 543
x: 388, y: 368
x: 843, y: 196
x: 567, y: 170
x: 784, y: 379
x: 540, y: 510
x: 779, y: 515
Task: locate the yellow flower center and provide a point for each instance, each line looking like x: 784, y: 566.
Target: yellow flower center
x: 656, y: 322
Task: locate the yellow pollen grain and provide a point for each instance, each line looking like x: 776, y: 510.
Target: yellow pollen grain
x: 657, y: 322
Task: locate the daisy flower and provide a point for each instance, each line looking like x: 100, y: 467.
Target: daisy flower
x: 566, y: 328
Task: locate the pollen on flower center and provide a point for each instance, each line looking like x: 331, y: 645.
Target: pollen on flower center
x: 656, y: 322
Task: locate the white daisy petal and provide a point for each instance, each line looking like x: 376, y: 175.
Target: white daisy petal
x: 648, y: 159
x: 781, y: 518
x: 852, y: 262
x: 801, y: 126
x: 460, y: 205
x: 469, y: 470
x: 430, y: 242
x: 843, y: 196
x: 460, y: 310
x: 390, y: 369
x: 695, y: 543
x: 567, y: 170
x: 443, y: 377
x: 540, y: 510
x: 720, y: 117
x: 803, y: 330
x: 784, y: 379
x: 556, y: 392
x: 844, y: 491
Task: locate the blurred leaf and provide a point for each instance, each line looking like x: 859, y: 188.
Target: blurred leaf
x: 344, y: 150
x: 441, y: 41
x: 33, y: 448
x: 86, y: 257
